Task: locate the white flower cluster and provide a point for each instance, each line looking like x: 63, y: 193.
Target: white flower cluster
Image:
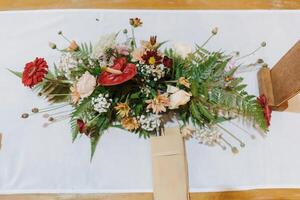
x: 145, y: 89
x: 149, y: 123
x: 67, y: 62
x: 105, y: 43
x: 155, y: 72
x: 101, y: 103
x: 208, y: 136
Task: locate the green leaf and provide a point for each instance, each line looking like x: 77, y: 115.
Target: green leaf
x: 74, y: 129
x: 94, y: 142
x: 135, y: 95
x: 18, y: 74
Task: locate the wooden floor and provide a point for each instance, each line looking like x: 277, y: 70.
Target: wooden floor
x: 271, y: 194
x: 265, y: 194
x: 151, y: 4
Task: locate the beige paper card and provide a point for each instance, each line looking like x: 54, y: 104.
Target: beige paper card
x: 169, y: 166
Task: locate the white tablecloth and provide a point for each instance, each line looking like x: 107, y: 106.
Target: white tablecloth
x: 35, y: 159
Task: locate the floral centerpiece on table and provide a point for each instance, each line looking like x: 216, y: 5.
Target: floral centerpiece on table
x: 140, y: 87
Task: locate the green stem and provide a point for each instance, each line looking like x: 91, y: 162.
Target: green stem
x: 212, y: 35
x: 133, y: 38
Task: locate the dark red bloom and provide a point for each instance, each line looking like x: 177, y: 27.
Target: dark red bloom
x: 262, y: 100
x: 34, y: 72
x: 128, y: 72
x: 168, y: 62
x: 152, y: 58
x: 81, y: 126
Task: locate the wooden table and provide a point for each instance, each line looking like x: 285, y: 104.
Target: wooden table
x: 261, y: 194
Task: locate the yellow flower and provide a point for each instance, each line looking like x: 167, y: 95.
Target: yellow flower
x: 159, y: 103
x: 75, y: 96
x: 184, y: 81
x: 130, y: 123
x: 123, y: 109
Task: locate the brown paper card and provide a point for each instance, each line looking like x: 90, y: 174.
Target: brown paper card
x: 169, y: 166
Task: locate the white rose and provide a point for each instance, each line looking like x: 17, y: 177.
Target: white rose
x: 179, y: 98
x: 86, y: 85
x: 105, y: 42
x: 182, y: 49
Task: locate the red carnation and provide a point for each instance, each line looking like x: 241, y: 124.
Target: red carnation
x: 34, y: 72
x: 128, y: 70
x: 152, y: 58
x: 168, y: 62
x: 81, y: 126
x: 262, y: 100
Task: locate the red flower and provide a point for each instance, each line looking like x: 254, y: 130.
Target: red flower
x: 128, y: 72
x: 262, y: 100
x: 81, y: 126
x: 152, y: 58
x: 168, y: 62
x: 34, y: 72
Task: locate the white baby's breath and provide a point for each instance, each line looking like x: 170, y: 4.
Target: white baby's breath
x: 101, y: 103
x: 67, y: 62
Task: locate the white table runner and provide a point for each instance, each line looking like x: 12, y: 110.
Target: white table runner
x: 35, y: 159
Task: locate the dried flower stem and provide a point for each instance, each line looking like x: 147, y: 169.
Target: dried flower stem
x: 242, y: 144
x: 249, y: 54
x: 251, y: 135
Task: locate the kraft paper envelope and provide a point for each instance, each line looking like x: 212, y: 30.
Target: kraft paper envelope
x: 169, y: 166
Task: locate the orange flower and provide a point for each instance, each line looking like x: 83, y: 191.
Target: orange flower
x: 151, y: 44
x: 135, y: 22
x: 159, y: 103
x: 130, y: 123
x: 184, y: 81
x: 73, y: 46
x: 75, y: 96
x: 123, y: 109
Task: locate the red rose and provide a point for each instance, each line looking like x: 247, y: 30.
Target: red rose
x: 262, y: 100
x: 34, y: 72
x: 128, y: 72
x: 168, y: 62
x: 81, y: 126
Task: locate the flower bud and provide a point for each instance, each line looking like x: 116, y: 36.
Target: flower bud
x: 259, y: 61
x: 214, y: 31
x: 234, y: 150
x: 35, y: 110
x: 263, y: 44
x: 153, y: 40
x: 73, y: 46
x: 25, y: 115
x: 52, y: 45
x: 125, y: 31
x: 59, y: 33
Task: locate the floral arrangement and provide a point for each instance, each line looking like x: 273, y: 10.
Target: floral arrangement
x: 139, y: 87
